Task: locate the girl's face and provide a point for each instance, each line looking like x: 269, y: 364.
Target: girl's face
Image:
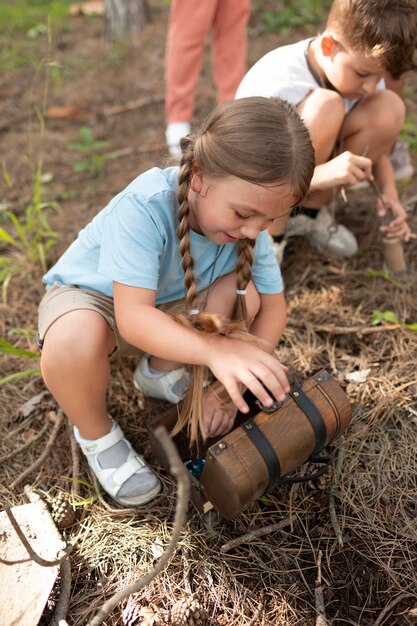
x: 228, y: 209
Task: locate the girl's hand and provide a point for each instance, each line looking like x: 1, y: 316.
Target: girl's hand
x: 397, y: 227
x: 218, y: 416
x: 235, y: 363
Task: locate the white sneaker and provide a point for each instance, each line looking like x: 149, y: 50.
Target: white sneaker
x: 323, y: 233
x: 329, y: 237
x: 121, y: 472
x: 175, y: 131
x: 171, y: 386
x: 278, y: 248
x: 401, y: 161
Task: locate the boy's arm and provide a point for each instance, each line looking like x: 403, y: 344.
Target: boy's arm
x: 385, y: 179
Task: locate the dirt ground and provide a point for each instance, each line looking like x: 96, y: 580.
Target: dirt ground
x: 349, y: 544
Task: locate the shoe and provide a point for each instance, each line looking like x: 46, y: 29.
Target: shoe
x: 329, y: 237
x: 121, y: 472
x: 322, y: 232
x: 175, y: 131
x: 171, y: 386
x: 401, y: 161
x: 279, y: 247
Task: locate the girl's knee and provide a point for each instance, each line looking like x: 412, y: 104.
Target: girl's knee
x: 77, y: 336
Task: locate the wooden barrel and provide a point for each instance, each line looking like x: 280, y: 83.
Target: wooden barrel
x: 249, y: 460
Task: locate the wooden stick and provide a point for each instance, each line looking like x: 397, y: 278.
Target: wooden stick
x: 255, y: 534
x: 390, y: 606
x: 345, y: 330
x: 26, y: 445
x: 178, y: 470
x: 45, y: 453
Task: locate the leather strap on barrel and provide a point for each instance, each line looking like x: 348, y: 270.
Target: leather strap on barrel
x: 265, y: 449
x: 311, y: 411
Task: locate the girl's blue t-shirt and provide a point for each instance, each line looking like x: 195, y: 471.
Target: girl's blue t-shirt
x: 133, y: 241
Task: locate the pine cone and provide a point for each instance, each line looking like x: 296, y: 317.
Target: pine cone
x: 62, y: 512
x: 187, y: 612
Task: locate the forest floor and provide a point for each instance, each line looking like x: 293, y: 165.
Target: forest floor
x: 348, y: 542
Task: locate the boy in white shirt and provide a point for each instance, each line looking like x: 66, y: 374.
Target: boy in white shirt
x: 336, y: 82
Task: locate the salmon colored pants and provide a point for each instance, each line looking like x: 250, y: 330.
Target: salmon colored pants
x: 190, y: 22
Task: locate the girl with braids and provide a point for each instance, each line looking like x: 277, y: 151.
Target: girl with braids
x: 179, y: 266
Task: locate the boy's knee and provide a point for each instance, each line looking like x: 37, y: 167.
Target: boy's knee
x: 324, y: 104
x: 387, y: 114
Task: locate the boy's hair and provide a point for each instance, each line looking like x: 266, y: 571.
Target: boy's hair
x: 259, y: 140
x: 385, y: 30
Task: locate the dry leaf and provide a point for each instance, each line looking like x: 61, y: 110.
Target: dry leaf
x: 66, y: 112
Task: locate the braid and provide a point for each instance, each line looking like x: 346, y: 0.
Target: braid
x: 183, y: 230
x: 243, y: 276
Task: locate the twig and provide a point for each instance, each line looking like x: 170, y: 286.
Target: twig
x: 35, y: 557
x: 333, y: 493
x: 26, y: 445
x: 255, y: 617
x: 178, y: 470
x: 255, y: 534
x: 75, y: 457
x: 61, y: 609
x: 318, y: 596
x: 390, y: 606
x: 45, y: 453
x: 133, y: 104
x: 345, y: 330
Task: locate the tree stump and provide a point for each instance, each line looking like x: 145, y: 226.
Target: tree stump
x: 124, y: 18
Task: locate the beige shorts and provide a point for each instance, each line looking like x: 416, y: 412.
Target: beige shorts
x: 59, y: 300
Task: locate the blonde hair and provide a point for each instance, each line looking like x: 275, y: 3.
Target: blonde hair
x: 385, y: 30
x: 259, y: 140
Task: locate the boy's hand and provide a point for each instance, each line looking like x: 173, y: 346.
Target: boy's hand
x: 235, y: 363
x: 219, y: 415
x: 397, y: 227
x: 346, y: 169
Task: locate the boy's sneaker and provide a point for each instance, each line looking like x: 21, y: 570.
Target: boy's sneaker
x: 175, y: 131
x: 322, y: 231
x: 121, y: 472
x: 334, y: 239
x: 171, y: 386
x: 401, y: 161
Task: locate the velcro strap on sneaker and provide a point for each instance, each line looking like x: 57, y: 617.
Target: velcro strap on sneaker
x: 95, y: 446
x: 125, y: 471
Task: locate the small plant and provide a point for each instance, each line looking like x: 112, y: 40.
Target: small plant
x: 92, y: 162
x: 8, y: 348
x: 24, y: 241
x: 391, y: 317
x: 409, y: 133
x: 290, y: 14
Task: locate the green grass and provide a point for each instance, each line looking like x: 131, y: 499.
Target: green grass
x: 23, y: 23
x: 293, y: 13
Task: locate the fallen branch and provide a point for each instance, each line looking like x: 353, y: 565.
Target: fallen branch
x: 23, y: 447
x: 61, y: 609
x: 390, y: 606
x: 344, y: 330
x: 255, y: 534
x: 133, y: 104
x: 333, y: 493
x: 318, y: 596
x: 50, y: 444
x: 33, y: 555
x: 177, y: 469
